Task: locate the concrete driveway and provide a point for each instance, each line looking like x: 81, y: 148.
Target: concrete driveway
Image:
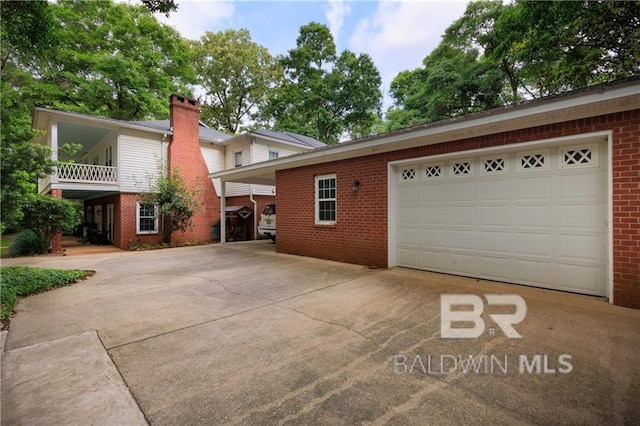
x: 237, y: 333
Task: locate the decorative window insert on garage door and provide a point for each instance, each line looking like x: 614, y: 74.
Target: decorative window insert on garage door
x: 534, y: 215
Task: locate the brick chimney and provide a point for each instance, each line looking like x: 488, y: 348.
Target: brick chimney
x: 184, y: 154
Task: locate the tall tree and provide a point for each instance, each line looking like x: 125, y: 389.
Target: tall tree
x: 236, y: 74
x: 113, y: 60
x: 497, y: 53
x: 27, y: 28
x: 324, y: 95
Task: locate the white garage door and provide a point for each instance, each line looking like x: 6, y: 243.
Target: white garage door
x: 536, y: 217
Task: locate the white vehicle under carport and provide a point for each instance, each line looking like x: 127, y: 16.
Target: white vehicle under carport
x: 267, y: 225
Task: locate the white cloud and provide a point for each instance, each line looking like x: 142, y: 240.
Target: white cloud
x: 401, y: 33
x: 194, y: 18
x: 335, y: 14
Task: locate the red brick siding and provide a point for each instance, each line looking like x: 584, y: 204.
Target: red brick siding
x: 184, y: 154
x: 360, y: 233
x: 56, y: 240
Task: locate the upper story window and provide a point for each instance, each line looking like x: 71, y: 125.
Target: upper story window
x: 273, y: 154
x: 237, y: 158
x: 146, y: 218
x: 326, y: 199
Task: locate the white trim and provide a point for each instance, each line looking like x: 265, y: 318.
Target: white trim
x: 392, y: 235
x: 610, y: 292
x: 155, y: 224
x: 317, y: 199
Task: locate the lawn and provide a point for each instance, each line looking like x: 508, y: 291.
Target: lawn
x: 4, y: 246
x: 22, y: 281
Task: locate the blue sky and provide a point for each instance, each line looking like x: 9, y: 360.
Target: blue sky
x: 397, y: 34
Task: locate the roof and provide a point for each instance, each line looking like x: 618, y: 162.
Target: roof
x: 290, y: 137
x: 589, y: 102
x: 204, y: 131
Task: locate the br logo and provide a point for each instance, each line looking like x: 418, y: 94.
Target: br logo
x: 504, y: 321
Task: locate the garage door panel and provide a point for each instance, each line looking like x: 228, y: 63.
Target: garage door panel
x: 495, y: 190
x: 537, y: 217
x: 583, y: 187
x: 494, y: 241
x: 535, y: 244
x: 494, y: 215
x: 433, y: 260
x: 462, y: 264
x: 461, y: 191
x: 433, y: 193
x: 585, y: 247
x: 464, y: 215
x: 585, y: 216
x: 433, y: 238
x: 584, y: 278
x: 461, y: 239
x: 533, y: 189
x: 408, y: 194
x: 434, y: 215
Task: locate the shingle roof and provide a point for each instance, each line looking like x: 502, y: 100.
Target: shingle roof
x: 290, y: 137
x: 204, y: 131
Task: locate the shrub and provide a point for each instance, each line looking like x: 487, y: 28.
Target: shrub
x: 26, y: 243
x: 22, y: 281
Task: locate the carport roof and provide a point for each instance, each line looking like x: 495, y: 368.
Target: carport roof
x: 588, y: 102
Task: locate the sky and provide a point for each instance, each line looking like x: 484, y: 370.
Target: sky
x: 396, y: 34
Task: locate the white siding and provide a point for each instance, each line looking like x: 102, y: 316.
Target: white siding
x: 214, y: 158
x: 139, y: 161
x: 237, y: 189
x: 261, y: 148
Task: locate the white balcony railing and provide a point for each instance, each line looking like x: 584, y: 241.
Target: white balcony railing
x: 86, y: 173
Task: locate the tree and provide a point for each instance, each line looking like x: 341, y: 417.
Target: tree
x: 176, y: 203
x: 112, y: 60
x: 236, y: 73
x: 27, y: 28
x: 162, y: 6
x: 324, y: 94
x: 46, y: 216
x: 502, y: 53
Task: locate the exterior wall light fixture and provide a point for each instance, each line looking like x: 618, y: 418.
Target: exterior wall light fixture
x: 355, y: 185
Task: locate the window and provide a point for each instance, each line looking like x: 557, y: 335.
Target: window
x: 147, y: 218
x: 326, y: 199
x: 408, y: 174
x: 461, y: 168
x: 237, y: 158
x: 273, y: 154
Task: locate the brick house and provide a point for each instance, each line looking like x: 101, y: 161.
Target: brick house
x: 545, y: 193
x: 120, y: 160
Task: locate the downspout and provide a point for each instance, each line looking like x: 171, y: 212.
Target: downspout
x: 253, y: 201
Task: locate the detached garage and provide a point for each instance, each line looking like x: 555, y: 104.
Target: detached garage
x: 545, y: 193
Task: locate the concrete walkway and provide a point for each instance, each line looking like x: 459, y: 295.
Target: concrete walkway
x: 238, y: 334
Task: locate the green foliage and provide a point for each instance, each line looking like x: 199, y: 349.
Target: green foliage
x: 23, y: 281
x: 176, y: 202
x: 26, y: 243
x: 236, y: 73
x: 162, y: 6
x: 324, y: 95
x: 500, y: 53
x: 45, y: 215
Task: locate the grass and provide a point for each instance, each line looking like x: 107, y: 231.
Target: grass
x: 20, y: 281
x: 4, y: 246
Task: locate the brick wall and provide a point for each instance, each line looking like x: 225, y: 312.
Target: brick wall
x: 360, y: 234
x: 185, y: 155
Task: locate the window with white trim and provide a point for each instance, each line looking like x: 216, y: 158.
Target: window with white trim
x: 237, y: 158
x: 273, y: 155
x: 326, y: 199
x: 146, y: 218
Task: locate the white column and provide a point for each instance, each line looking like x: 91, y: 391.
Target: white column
x: 53, y: 144
x: 223, y: 217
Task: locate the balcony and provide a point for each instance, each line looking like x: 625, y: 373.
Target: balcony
x: 86, y: 173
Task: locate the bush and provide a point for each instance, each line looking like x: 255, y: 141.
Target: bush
x: 26, y: 243
x: 22, y: 281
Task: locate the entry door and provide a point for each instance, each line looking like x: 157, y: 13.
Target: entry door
x: 535, y: 217
x: 110, y: 222
x: 98, y: 215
